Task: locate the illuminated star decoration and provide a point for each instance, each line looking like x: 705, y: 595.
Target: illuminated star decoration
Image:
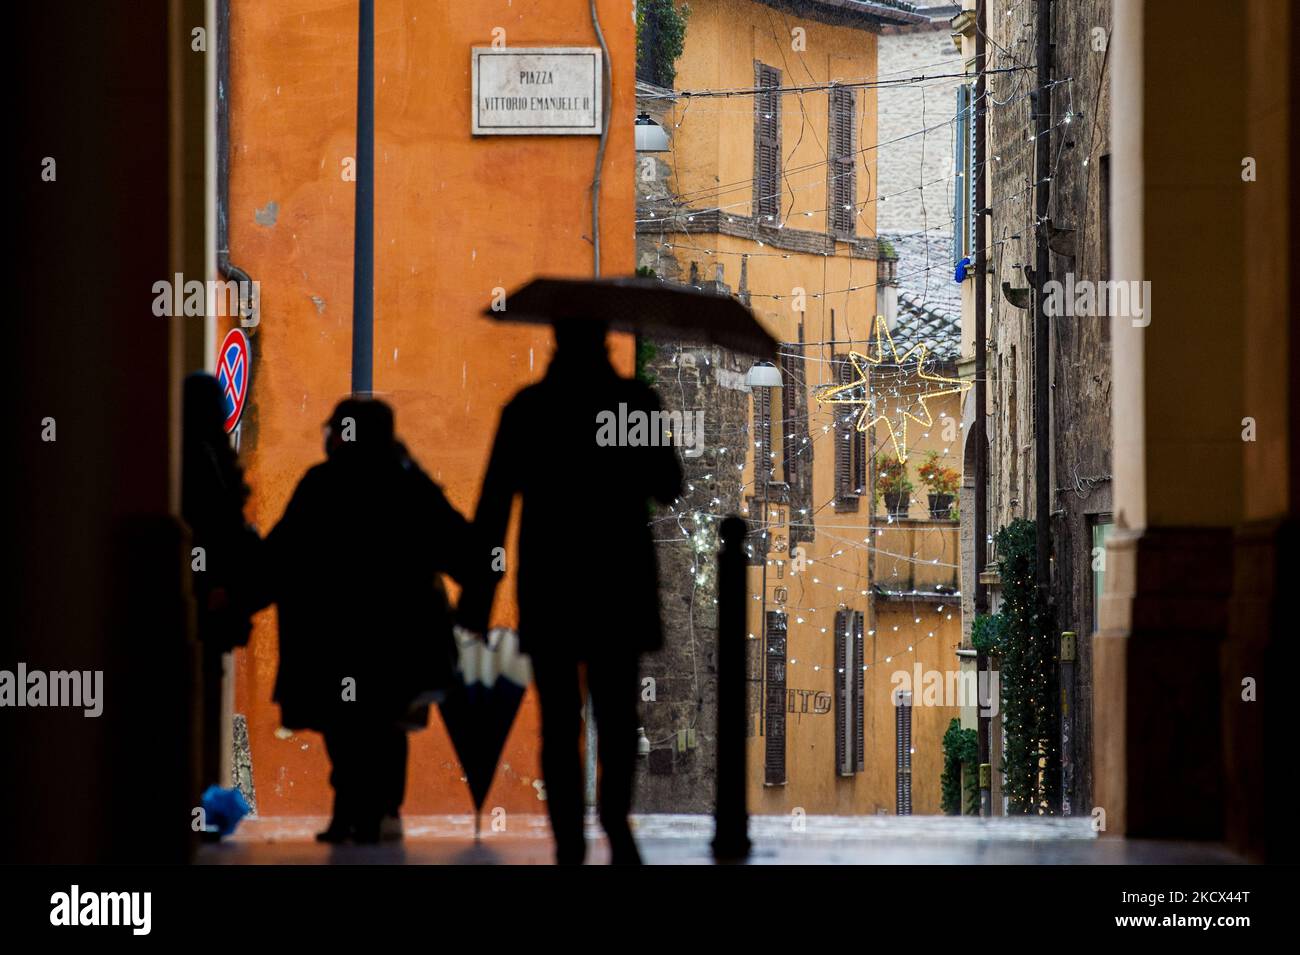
x: 858, y: 391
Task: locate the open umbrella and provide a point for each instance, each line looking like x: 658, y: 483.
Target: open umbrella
x: 481, y: 704
x: 641, y: 305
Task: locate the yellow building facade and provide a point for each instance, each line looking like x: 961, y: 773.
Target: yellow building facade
x: 770, y: 196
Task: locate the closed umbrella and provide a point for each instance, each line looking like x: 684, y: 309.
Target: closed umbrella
x: 481, y: 704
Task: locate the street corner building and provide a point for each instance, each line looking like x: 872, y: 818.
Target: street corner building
x: 460, y: 217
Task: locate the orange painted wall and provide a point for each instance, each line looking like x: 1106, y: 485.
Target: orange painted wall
x: 455, y: 217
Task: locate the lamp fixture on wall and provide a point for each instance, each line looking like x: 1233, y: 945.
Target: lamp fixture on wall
x: 650, y: 136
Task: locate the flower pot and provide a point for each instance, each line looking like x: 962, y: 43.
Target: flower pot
x: 897, y: 505
x: 940, y: 506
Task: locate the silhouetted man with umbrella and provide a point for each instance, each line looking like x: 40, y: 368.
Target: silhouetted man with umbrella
x: 587, y: 577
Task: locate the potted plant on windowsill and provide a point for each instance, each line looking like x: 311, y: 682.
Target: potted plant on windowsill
x: 942, y: 484
x: 894, y: 486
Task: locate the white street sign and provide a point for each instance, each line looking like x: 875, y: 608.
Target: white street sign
x: 536, y: 91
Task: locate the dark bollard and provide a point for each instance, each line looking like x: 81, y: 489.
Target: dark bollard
x: 730, y: 812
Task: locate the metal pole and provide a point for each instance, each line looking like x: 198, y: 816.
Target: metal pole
x: 730, y: 812
x: 980, y: 435
x: 363, y: 255
x: 589, y: 752
x: 1068, y: 642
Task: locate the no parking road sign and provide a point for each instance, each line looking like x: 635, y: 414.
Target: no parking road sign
x: 233, y: 374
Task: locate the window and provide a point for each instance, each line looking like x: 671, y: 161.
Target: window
x: 963, y: 191
x: 850, y: 445
x: 842, y: 176
x: 903, y: 751
x: 762, y: 436
x: 797, y: 448
x: 760, y: 542
x: 859, y: 459
x: 767, y: 145
x: 774, y: 705
x: 794, y: 414
x: 850, y: 683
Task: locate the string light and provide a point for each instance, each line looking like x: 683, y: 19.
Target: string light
x: 858, y: 392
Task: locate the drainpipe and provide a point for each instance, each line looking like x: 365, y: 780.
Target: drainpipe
x: 250, y: 315
x: 1042, y: 352
x: 249, y: 307
x: 606, y: 87
x: 980, y: 437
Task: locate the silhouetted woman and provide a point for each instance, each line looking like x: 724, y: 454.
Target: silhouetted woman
x: 587, y: 581
x: 213, y: 493
x: 365, y: 630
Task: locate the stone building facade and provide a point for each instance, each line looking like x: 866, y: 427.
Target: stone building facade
x: 679, y: 701
x: 1078, y: 145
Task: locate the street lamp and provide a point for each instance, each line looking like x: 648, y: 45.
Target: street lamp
x: 764, y: 374
x: 650, y: 136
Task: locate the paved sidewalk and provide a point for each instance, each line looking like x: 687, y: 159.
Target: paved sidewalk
x: 684, y: 840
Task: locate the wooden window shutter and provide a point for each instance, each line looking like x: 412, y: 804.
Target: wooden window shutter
x: 859, y: 691
x: 843, y: 448
x: 795, y: 420
x: 846, y: 497
x: 958, y: 199
x: 842, y: 708
x: 760, y: 544
x: 763, y: 449
x: 859, y: 442
x: 767, y: 144
x: 798, y: 447
x: 972, y: 214
x: 963, y: 192
x: 774, y: 743
x: 850, y: 693
x: 903, y: 752
x: 842, y: 187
